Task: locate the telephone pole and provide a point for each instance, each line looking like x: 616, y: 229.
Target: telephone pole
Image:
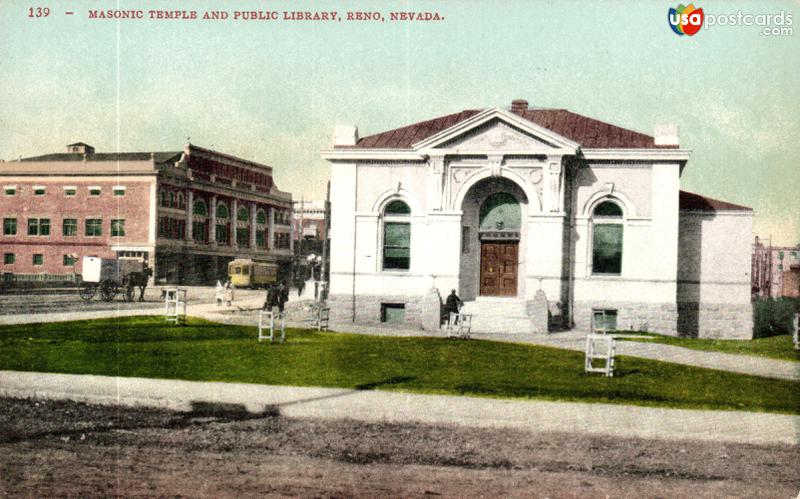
x: 325, y: 256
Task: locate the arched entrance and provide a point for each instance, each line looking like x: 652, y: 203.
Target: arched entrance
x: 498, y: 233
x: 492, y: 235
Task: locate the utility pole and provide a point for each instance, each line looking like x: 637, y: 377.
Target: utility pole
x: 327, y: 226
x: 302, y: 213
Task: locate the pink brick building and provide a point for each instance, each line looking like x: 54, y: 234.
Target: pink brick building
x: 776, y: 270
x: 186, y: 213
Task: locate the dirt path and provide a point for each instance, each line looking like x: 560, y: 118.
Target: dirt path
x: 65, y: 448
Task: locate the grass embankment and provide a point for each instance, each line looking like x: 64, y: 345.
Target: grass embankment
x: 204, y: 351
x: 775, y: 347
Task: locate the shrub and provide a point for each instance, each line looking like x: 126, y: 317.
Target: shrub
x: 773, y: 317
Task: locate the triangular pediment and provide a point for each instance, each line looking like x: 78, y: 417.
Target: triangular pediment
x: 498, y: 130
x: 496, y: 135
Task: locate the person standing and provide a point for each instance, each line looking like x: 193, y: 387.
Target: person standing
x: 452, y: 305
x: 283, y: 295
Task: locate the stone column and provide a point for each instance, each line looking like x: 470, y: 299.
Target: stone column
x: 212, y: 227
x: 271, y: 228
x: 234, y: 218
x: 189, y: 215
x: 253, y: 213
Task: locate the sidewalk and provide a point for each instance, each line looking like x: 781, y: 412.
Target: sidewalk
x: 326, y: 403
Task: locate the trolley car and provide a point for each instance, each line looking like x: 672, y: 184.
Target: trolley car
x: 244, y: 273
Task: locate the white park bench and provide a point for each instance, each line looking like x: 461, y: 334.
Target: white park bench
x: 458, y: 325
x: 601, y: 350
x: 268, y: 320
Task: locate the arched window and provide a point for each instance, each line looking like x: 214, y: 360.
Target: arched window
x: 200, y: 209
x: 607, y: 238
x: 396, y: 236
x: 162, y: 195
x: 500, y: 211
x: 181, y: 201
x: 261, y: 229
x: 243, y: 215
x: 222, y: 231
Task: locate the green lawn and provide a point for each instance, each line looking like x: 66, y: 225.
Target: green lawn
x: 146, y: 347
x: 775, y: 347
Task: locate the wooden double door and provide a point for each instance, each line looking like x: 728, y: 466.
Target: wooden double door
x: 499, y: 262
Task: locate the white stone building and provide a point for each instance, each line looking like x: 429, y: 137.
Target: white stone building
x: 500, y: 204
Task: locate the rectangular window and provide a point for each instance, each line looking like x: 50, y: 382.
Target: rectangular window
x: 70, y: 227
x: 607, y: 249
x: 393, y: 313
x: 38, y: 259
x: 38, y: 226
x: 8, y: 258
x: 10, y: 190
x: 70, y: 190
x: 69, y: 260
x: 200, y: 231
x: 118, y: 190
x: 95, y: 191
x: 604, y: 321
x: 39, y: 190
x: 94, y: 227
x: 780, y: 255
x: 261, y: 240
x: 243, y: 237
x: 9, y: 226
x: 223, y: 233
x: 396, y: 246
x: 118, y: 228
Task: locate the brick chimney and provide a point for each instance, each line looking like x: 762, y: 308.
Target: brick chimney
x: 519, y: 105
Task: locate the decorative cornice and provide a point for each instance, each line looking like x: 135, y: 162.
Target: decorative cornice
x: 637, y: 154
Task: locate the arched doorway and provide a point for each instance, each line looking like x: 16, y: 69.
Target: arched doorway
x: 498, y: 232
x: 493, y: 210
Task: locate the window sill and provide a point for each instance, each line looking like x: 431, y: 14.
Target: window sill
x: 401, y: 272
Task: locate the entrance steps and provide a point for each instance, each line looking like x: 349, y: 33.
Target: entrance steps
x: 498, y: 315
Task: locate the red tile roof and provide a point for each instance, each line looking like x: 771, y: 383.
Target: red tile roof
x: 689, y: 201
x: 588, y: 132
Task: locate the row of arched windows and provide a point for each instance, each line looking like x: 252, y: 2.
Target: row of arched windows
x: 200, y: 224
x: 607, y: 235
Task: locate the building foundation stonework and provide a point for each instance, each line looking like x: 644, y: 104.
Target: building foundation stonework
x: 540, y: 219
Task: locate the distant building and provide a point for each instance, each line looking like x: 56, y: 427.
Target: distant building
x: 776, y: 270
x: 312, y: 216
x: 186, y: 213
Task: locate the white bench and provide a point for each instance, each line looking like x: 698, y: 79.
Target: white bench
x: 458, y: 326
x: 175, y: 305
x: 601, y: 350
x: 267, y: 321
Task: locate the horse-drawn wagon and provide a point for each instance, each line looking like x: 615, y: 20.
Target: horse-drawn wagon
x: 109, y: 277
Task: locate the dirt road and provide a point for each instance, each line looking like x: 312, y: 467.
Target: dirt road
x: 65, y: 448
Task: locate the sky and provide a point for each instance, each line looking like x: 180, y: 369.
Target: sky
x: 272, y: 91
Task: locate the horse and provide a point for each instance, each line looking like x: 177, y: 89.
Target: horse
x: 139, y: 279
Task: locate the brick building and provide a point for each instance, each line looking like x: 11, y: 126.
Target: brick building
x: 776, y: 270
x: 186, y: 213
